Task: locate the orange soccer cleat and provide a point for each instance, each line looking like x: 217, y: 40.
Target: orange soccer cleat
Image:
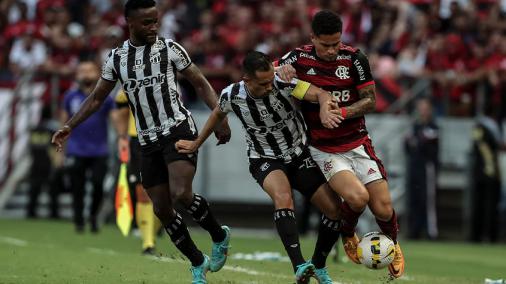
x: 396, y: 268
x: 350, y: 245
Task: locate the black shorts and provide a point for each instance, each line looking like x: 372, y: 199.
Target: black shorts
x: 157, y: 155
x: 302, y: 172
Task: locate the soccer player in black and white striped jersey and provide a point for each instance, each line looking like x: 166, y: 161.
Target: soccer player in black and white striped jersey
x: 146, y: 66
x: 278, y: 151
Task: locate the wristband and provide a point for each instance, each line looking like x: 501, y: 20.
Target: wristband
x: 343, y: 112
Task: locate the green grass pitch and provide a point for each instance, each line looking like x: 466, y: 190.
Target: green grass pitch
x: 50, y: 252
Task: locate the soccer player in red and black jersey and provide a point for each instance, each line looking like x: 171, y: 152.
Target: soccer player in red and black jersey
x: 345, y: 154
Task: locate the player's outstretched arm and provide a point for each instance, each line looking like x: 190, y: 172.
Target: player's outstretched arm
x: 330, y: 115
x: 206, y: 93
x: 90, y: 105
x: 187, y: 146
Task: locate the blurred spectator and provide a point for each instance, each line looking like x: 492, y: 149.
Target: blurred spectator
x: 27, y: 53
x: 422, y: 148
x: 86, y: 150
x: 44, y: 171
x: 486, y: 177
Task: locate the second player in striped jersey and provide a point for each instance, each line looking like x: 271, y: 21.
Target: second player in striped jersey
x: 278, y: 153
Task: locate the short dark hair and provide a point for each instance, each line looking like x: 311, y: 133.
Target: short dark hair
x: 256, y: 61
x: 326, y: 22
x: 132, y: 5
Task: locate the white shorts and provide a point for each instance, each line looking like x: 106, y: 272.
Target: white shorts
x: 362, y: 161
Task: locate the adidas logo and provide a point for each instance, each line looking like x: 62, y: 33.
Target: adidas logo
x: 371, y: 171
x: 311, y: 72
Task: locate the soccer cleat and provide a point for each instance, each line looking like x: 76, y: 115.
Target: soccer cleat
x: 322, y: 275
x: 199, y: 272
x: 396, y: 268
x: 149, y: 251
x: 220, y: 251
x: 304, y: 272
x: 350, y: 245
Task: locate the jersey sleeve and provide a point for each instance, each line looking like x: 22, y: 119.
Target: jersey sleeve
x: 289, y: 58
x: 178, y: 55
x: 108, y: 71
x: 362, y: 71
x: 121, y: 99
x: 296, y: 88
x: 225, y: 103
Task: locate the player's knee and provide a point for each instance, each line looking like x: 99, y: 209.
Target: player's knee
x: 332, y: 212
x: 358, y: 199
x: 165, y: 213
x: 382, y: 209
x: 181, y: 194
x: 283, y: 200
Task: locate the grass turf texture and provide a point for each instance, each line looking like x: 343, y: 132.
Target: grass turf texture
x: 51, y: 252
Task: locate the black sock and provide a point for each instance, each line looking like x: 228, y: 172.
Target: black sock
x: 201, y: 213
x: 180, y: 236
x: 328, y: 234
x: 287, y: 230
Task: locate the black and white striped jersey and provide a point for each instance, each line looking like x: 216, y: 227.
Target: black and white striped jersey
x: 274, y: 127
x: 148, y: 75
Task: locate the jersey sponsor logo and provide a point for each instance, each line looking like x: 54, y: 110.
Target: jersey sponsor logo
x: 343, y: 57
x: 170, y: 123
x: 287, y: 60
x: 311, y: 72
x: 180, y: 54
x: 264, y: 114
x: 152, y: 130
x: 262, y: 130
x: 360, y: 69
x: 132, y: 84
x: 342, y: 72
x: 122, y: 52
x: 264, y: 166
x: 307, y: 56
x: 138, y: 65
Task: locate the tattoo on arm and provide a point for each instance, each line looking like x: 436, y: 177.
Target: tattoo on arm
x: 366, y: 104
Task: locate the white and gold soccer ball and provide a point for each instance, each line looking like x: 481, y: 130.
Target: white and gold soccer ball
x: 376, y: 250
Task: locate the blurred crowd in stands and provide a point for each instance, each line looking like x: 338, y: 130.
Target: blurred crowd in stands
x: 451, y: 50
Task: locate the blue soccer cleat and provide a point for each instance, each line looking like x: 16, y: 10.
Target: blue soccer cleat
x: 199, y: 272
x: 304, y: 272
x: 322, y: 275
x: 220, y: 251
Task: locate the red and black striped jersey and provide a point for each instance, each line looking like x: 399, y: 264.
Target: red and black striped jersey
x: 343, y: 78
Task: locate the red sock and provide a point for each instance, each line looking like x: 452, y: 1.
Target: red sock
x: 390, y: 227
x: 349, y: 219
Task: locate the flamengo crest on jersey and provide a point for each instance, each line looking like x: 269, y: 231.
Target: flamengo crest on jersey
x: 148, y: 75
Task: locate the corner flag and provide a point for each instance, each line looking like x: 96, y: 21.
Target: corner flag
x: 123, y: 203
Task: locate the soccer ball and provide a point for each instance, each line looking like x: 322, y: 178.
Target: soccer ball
x: 376, y: 250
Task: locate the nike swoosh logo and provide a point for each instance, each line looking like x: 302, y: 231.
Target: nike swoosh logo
x: 394, y: 270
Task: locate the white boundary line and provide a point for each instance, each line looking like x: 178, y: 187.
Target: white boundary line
x: 13, y: 241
